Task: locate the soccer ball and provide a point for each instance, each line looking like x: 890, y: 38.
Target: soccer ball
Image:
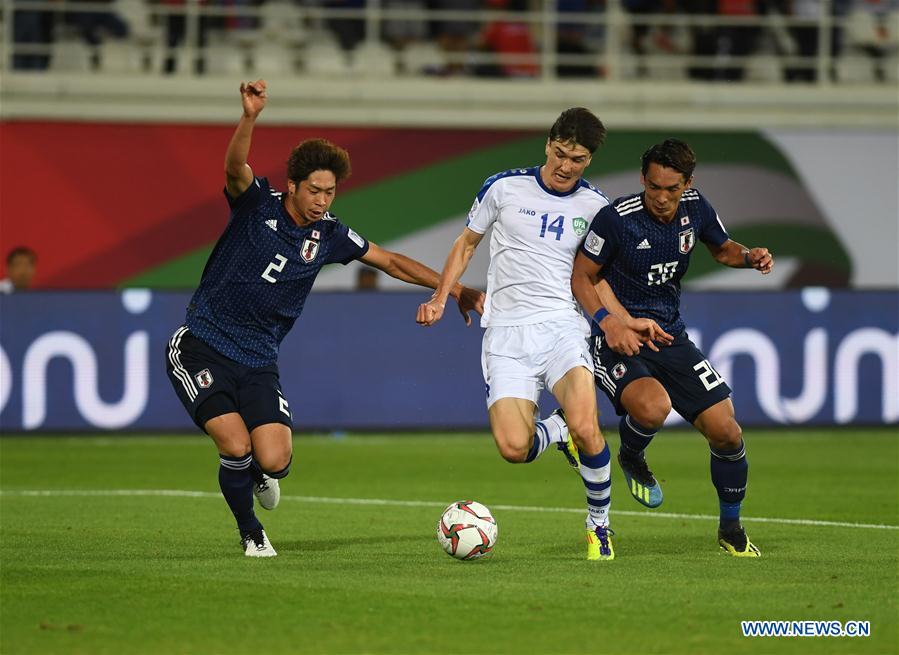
x: 467, y: 530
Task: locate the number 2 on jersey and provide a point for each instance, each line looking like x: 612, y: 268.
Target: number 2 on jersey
x: 274, y: 267
x: 557, y: 227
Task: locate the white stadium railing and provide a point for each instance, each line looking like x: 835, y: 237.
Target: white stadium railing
x: 849, y: 74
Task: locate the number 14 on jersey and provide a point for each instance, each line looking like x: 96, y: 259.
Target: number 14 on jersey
x: 557, y: 227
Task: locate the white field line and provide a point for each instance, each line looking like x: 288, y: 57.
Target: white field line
x: 383, y: 502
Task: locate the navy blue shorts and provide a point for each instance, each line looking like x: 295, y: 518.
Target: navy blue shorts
x: 688, y: 377
x: 209, y: 384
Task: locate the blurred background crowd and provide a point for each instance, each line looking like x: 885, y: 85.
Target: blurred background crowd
x: 708, y: 40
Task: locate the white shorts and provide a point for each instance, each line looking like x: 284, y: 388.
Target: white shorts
x: 520, y: 361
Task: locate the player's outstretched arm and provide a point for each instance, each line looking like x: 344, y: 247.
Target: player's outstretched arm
x: 412, y: 271
x: 736, y: 255
x: 456, y: 262
x: 238, y: 174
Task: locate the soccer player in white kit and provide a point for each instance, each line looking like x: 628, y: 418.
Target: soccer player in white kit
x: 535, y: 334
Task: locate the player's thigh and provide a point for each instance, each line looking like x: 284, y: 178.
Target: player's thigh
x: 510, y: 367
x: 613, y: 372
x: 204, y: 381
x: 577, y: 397
x: 689, y: 378
x: 512, y: 424
x: 230, y: 434
x: 719, y: 426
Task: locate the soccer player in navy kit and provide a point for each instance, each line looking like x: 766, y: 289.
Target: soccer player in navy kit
x: 641, y: 245
x: 223, y: 361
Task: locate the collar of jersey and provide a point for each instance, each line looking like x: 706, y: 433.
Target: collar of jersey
x: 558, y: 194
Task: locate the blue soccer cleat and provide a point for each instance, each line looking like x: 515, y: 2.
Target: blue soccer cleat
x: 640, y: 481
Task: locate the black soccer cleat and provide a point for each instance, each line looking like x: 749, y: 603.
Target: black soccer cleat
x: 734, y: 542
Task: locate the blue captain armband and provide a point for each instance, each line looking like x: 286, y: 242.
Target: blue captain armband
x: 600, y: 314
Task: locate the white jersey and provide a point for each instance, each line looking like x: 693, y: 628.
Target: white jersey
x: 536, y: 234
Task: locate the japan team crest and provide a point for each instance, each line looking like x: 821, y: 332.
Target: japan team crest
x: 686, y: 241
x: 204, y: 379
x: 309, y: 250
x: 619, y: 370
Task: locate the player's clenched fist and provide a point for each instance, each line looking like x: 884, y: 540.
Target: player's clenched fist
x: 253, y: 97
x: 429, y: 313
x: 761, y: 260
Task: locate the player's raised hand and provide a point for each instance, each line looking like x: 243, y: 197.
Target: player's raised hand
x: 471, y: 300
x: 761, y: 260
x: 649, y: 332
x: 253, y: 97
x: 429, y: 312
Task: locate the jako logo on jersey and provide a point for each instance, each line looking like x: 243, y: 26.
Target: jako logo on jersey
x: 529, y: 212
x: 204, y: 379
x: 619, y: 370
x: 686, y: 240
x: 580, y: 225
x: 309, y: 250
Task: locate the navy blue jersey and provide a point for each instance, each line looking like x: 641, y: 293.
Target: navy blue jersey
x: 260, y: 272
x: 644, y: 259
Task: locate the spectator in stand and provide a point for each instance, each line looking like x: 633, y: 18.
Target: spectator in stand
x: 176, y: 33
x: 456, y: 37
x: 726, y: 43
x: 21, y: 264
x: 806, y: 38
x: 349, y: 31
x: 509, y: 38
x: 571, y: 39
x: 32, y: 28
x: 95, y: 26
x: 646, y: 38
x: 401, y: 32
x: 868, y: 29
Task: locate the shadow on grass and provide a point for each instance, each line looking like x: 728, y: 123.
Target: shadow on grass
x: 320, y: 545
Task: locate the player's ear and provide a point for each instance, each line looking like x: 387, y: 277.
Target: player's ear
x: 688, y: 183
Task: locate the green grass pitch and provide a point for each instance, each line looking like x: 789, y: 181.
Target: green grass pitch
x: 91, y: 566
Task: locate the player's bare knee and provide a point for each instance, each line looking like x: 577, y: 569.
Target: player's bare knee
x: 729, y: 436
x: 585, y: 433
x: 514, y: 453
x: 271, y: 461
x: 651, y: 412
x: 234, y: 447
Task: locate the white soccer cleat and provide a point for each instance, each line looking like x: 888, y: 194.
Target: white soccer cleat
x: 256, y: 544
x: 267, y: 492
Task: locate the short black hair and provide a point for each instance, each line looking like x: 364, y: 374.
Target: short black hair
x: 20, y: 251
x: 317, y: 155
x: 670, y: 153
x: 579, y: 125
